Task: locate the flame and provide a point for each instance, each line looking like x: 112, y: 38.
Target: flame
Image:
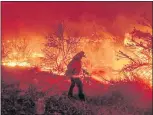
x: 127, y: 39
x: 100, y: 62
x: 13, y: 64
x: 35, y: 54
x: 143, y: 72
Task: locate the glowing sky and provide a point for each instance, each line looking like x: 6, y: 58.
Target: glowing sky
x: 38, y: 18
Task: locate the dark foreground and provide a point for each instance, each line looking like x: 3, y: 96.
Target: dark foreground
x: 123, y: 98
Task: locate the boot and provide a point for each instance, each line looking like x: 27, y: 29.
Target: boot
x: 82, y: 97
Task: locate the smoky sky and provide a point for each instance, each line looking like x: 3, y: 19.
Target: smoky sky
x: 40, y: 17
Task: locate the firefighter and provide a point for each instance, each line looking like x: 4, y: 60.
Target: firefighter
x: 74, y: 71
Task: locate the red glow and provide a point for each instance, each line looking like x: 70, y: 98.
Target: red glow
x: 34, y: 20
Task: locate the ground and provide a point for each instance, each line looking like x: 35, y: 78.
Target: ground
x: 24, y: 89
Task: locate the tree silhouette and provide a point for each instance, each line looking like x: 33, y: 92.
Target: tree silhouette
x: 59, y: 49
x: 140, y: 45
x: 16, y: 49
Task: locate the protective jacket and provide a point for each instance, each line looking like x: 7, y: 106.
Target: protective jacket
x: 74, y: 68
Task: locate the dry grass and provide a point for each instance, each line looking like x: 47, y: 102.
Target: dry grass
x: 126, y: 97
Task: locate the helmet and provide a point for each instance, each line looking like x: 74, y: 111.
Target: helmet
x: 79, y: 55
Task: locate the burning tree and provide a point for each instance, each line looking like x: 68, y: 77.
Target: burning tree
x: 59, y: 49
x: 15, y: 51
x: 139, y: 43
x: 5, y: 50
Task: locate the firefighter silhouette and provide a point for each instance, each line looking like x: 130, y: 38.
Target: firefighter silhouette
x: 74, y: 71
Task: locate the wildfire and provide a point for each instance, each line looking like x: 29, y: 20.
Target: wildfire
x: 13, y: 64
x: 100, y: 53
x: 35, y: 54
x: 127, y: 39
x: 143, y: 57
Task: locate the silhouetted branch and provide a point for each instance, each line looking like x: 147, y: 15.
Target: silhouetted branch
x: 123, y: 55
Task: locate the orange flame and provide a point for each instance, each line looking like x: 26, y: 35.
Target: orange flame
x: 100, y: 62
